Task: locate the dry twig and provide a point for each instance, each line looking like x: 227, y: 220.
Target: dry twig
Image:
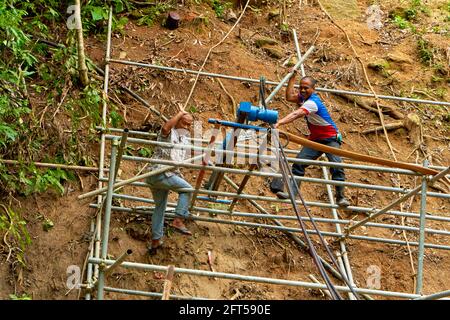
x: 380, y: 114
x: 209, y: 53
x: 233, y: 102
x: 10, y: 249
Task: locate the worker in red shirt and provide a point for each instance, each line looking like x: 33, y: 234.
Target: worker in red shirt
x: 322, y: 130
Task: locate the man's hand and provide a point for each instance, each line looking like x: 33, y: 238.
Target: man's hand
x: 165, y: 130
x: 291, y: 93
x: 293, y: 71
x: 276, y: 125
x: 182, y: 113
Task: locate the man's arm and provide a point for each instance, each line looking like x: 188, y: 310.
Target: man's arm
x: 291, y: 93
x: 291, y: 117
x: 167, y: 127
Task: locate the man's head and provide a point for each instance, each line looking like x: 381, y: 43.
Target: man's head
x: 185, y: 122
x: 307, y: 86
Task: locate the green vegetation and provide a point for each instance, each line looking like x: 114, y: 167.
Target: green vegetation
x: 15, y: 236
x: 416, y: 7
x: 409, y: 19
x: 149, y: 15
x: 47, y: 225
x: 38, y: 82
x: 425, y: 52
x: 284, y: 27
x: 402, y: 23
x: 413, y: 11
x: 95, y: 15
x: 220, y: 7
x: 404, y: 18
x: 381, y: 66
x: 217, y: 206
x: 145, y: 152
x: 447, y: 8
x: 24, y: 296
x: 45, y: 114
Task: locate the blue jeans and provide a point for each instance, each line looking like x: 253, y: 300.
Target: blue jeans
x: 311, y: 154
x: 160, y: 185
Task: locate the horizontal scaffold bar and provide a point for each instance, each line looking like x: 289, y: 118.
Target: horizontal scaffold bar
x: 292, y: 160
x: 435, y: 296
x: 149, y: 294
x: 232, y: 276
x: 278, y: 175
x: 296, y: 230
x: 309, y: 203
x: 217, y: 75
x: 282, y: 217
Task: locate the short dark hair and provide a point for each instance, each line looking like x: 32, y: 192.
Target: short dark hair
x: 311, y: 79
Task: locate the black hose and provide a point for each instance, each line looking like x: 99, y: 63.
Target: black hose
x: 288, y: 176
x: 262, y: 87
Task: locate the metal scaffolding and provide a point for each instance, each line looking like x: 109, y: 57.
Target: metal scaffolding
x: 99, y: 266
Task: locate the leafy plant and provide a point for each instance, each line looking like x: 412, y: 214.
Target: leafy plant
x: 115, y: 118
x: 153, y: 12
x: 425, y: 52
x: 404, y: 18
x: 28, y: 67
x: 14, y: 68
x: 37, y: 181
x: 401, y: 22
x: 95, y: 15
x: 284, y: 27
x: 14, y: 234
x: 145, y: 152
x: 47, y: 224
x: 415, y: 7
x: 219, y: 7
x: 24, y: 296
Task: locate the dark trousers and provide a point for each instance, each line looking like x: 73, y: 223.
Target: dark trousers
x: 310, y: 154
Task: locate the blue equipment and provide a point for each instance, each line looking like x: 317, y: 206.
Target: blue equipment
x: 253, y: 113
x: 235, y: 125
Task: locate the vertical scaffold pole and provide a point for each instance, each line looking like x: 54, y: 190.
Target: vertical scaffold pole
x: 261, y: 148
x: 123, y: 142
x: 206, y: 156
x: 299, y: 53
x: 345, y: 261
x: 96, y: 225
x: 107, y: 218
x: 423, y: 204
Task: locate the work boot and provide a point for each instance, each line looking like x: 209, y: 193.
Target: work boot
x: 276, y: 185
x: 340, y: 197
x: 155, y: 246
x: 282, y: 195
x: 285, y: 195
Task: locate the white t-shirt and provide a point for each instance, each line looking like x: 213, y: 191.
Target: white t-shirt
x: 176, y: 137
